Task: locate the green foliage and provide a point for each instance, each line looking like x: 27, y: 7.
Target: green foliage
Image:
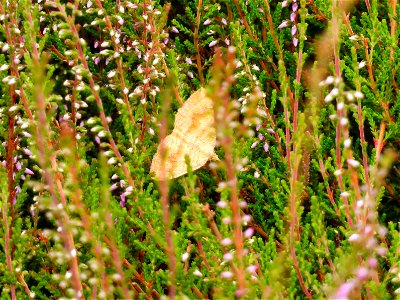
x: 303, y: 201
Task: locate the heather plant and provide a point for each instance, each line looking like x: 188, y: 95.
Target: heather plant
x: 302, y: 202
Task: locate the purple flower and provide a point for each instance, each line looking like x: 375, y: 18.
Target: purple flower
x: 295, y: 7
x: 362, y: 273
x: 266, y: 147
x: 344, y: 290
x: 29, y: 171
x: 295, y: 42
x: 212, y: 44
x: 294, y: 30
x: 292, y: 17
x: 283, y: 24
x: 249, y: 232
x: 122, y: 202
x: 251, y: 269
x: 113, y: 187
x: 226, y: 274
x: 27, y: 152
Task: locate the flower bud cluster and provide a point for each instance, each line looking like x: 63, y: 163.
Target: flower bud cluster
x: 293, y: 20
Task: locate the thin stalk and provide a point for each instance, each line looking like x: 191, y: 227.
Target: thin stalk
x: 42, y: 137
x: 196, y: 43
x: 119, y: 64
x: 335, y: 34
x: 165, y: 202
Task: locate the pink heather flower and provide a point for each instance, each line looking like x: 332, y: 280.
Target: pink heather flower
x: 382, y: 231
x: 226, y: 242
x: 188, y: 60
x: 222, y: 204
x: 295, y: 42
x: 354, y: 237
x: 249, y: 232
x: 266, y: 147
x: 226, y: 274
x: 174, y: 29
x: 113, y: 187
x: 246, y: 219
x: 212, y: 44
x: 372, y: 262
x: 261, y: 137
x: 122, y: 202
x: 227, y: 42
x: 292, y: 17
x: 197, y: 273
x: 256, y: 174
x: 185, y: 256
x: 243, y: 204
x: 294, y: 30
x: 283, y: 24
x: 226, y: 220
x: 223, y: 21
x: 254, y: 145
x: 29, y: 171
x: 228, y: 256
x: 295, y: 7
x: 251, y: 269
x: 344, y: 290
x: 112, y: 161
x: 345, y: 194
x: 239, y: 293
x: 207, y: 22
x: 358, y: 95
x: 381, y: 251
x: 354, y: 163
x: 362, y: 273
x: 18, y: 165
x: 328, y: 98
x: 284, y: 3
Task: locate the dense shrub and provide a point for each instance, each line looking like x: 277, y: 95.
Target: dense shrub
x: 303, y: 201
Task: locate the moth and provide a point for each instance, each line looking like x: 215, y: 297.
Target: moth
x: 194, y: 135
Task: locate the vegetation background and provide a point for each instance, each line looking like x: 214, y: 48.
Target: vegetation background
x: 304, y: 202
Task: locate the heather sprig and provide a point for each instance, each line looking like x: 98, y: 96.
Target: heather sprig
x: 302, y: 202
